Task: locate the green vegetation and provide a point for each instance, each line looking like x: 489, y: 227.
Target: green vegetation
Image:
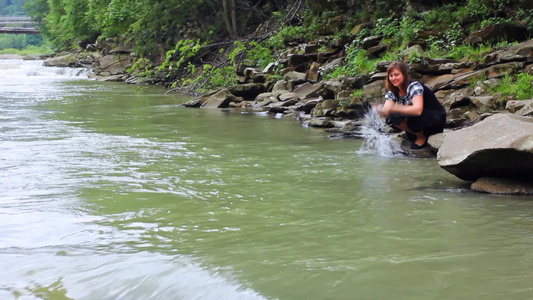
x: 520, y: 86
x: 197, y: 42
x: 29, y: 50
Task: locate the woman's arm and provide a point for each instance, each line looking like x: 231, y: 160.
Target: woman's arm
x: 409, y: 110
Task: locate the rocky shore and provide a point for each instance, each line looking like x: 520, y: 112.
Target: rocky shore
x: 488, y: 139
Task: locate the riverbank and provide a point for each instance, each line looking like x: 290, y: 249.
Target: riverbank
x: 466, y: 89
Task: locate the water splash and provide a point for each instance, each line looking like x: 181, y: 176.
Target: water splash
x: 375, y: 140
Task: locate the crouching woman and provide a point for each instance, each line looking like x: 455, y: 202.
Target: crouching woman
x: 411, y: 106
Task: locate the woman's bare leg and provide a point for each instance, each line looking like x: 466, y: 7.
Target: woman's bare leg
x: 420, y: 137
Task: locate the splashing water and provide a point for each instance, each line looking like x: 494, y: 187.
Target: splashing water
x: 374, y: 139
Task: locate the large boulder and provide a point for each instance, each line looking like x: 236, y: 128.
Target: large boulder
x: 68, y: 60
x: 500, y: 146
x: 113, y: 65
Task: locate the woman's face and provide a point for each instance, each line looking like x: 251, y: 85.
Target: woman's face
x: 396, y: 77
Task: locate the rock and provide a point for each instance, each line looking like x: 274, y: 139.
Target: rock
x: 221, y: 99
x: 513, y: 106
x: 377, y: 50
x: 288, y: 97
x: 323, y: 123
x: 296, y: 76
x: 502, y: 186
x: 198, y: 101
x: 121, y: 49
x: 371, y: 41
x: 283, y: 85
x: 484, y: 103
x: 114, y: 64
x: 296, y: 60
x: 497, y: 33
x: 409, y: 52
x: 499, y: 146
x: 68, y: 60
x: 375, y: 91
x: 248, y: 91
x: 313, y: 73
x: 519, y: 52
x: 358, y: 28
x: 527, y: 110
x: 307, y: 90
x: 265, y: 99
x: 307, y: 105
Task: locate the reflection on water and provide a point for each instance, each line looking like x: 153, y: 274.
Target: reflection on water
x: 108, y: 192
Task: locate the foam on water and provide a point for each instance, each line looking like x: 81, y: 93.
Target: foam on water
x: 15, y: 70
x: 374, y: 139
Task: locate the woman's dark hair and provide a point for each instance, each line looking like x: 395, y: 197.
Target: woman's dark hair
x: 406, y: 78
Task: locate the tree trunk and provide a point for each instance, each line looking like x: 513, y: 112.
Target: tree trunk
x: 227, y: 16
x: 233, y: 19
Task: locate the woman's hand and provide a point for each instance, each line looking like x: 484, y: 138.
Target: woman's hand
x: 385, y: 110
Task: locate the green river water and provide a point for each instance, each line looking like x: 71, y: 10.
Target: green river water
x: 112, y: 191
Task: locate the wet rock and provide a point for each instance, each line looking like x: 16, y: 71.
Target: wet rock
x: 308, y: 105
x: 502, y: 186
x: 323, y: 123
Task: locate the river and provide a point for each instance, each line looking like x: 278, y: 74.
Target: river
x: 114, y: 191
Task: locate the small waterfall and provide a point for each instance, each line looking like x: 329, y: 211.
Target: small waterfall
x: 374, y: 139
x: 12, y: 69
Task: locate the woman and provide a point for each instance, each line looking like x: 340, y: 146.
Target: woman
x: 411, y: 106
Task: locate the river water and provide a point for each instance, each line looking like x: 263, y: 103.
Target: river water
x: 112, y: 191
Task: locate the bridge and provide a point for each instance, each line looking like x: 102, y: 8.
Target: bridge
x: 17, y: 25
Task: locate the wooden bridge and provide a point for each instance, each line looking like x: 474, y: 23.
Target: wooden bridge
x: 17, y: 25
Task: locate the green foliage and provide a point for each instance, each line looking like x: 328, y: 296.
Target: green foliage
x: 469, y: 53
x: 494, y: 21
x: 358, y: 93
x: 525, y: 16
x: 357, y: 62
x: 519, y: 86
x: 387, y: 27
x: 409, y: 29
x: 254, y: 52
x: 183, y: 51
x: 142, y: 67
x: 288, y: 34
x: 29, y: 50
x: 210, y: 78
